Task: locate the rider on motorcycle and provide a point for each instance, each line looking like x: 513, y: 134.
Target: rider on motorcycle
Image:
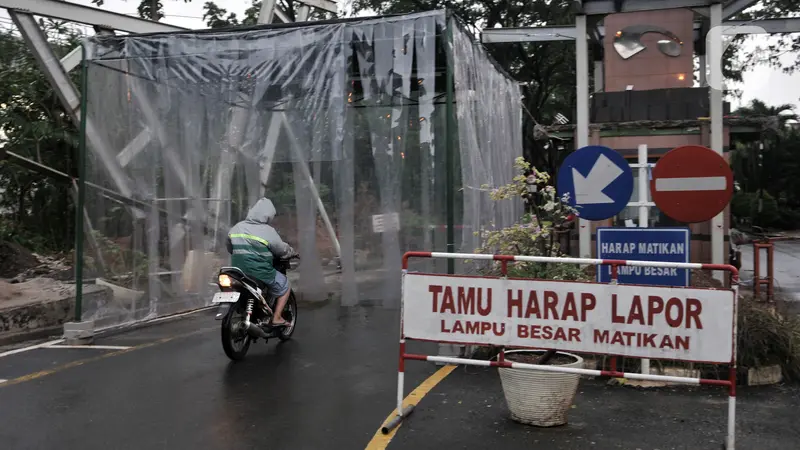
x: 253, y: 244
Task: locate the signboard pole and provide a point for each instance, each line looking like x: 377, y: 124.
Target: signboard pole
x: 582, y: 126
x: 644, y: 207
x: 644, y: 212
x: 715, y: 51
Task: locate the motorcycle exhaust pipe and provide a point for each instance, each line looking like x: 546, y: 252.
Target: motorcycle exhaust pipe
x: 256, y: 331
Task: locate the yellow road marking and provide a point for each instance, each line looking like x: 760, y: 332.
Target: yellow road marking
x: 380, y: 441
x: 81, y: 362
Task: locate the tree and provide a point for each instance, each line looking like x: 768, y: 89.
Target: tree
x: 217, y: 17
x: 145, y: 8
x: 37, y: 209
x: 766, y: 167
x: 786, y: 42
x: 758, y: 108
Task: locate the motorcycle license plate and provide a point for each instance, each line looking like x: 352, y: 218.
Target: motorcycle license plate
x: 225, y: 297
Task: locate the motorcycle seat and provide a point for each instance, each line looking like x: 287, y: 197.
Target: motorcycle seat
x: 237, y: 273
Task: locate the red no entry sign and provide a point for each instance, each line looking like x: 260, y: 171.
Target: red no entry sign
x: 692, y: 184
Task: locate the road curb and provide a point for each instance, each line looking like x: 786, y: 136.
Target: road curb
x: 119, y: 329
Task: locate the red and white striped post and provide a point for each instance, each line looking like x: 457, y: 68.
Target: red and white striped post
x: 401, y: 369
x: 501, y: 362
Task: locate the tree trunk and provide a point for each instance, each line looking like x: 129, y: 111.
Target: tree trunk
x: 23, y: 190
x: 548, y: 355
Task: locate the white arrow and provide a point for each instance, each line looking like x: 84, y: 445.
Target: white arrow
x: 589, y: 189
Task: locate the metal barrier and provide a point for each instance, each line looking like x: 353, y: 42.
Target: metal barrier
x: 767, y: 243
x: 758, y: 280
x: 677, y: 313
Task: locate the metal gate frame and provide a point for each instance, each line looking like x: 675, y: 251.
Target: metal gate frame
x: 730, y: 383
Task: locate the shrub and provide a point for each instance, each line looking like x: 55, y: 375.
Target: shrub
x: 766, y: 337
x: 744, y: 205
x: 740, y: 205
x: 789, y: 219
x: 535, y: 234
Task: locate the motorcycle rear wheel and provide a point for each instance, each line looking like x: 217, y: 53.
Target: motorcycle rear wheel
x: 235, y: 343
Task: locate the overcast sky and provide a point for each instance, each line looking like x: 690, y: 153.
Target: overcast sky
x: 764, y: 83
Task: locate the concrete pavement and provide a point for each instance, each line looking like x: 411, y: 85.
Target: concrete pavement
x: 468, y: 411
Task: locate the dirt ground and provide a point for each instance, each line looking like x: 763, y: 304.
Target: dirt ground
x: 704, y: 279
x: 26, y: 277
x: 15, y: 259
x: 36, y: 290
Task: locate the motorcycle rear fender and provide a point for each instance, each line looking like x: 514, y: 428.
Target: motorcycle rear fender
x: 222, y: 310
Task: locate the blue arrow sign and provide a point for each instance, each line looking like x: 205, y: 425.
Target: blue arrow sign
x: 598, y: 180
x: 644, y: 244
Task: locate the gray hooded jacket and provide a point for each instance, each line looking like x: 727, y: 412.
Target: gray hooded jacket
x: 253, y: 243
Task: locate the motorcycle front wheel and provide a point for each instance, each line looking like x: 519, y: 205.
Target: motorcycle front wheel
x: 235, y: 340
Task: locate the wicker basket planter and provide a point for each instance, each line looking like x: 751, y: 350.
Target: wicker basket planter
x: 540, y: 398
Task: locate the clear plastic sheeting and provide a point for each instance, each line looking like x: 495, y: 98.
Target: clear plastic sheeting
x: 489, y: 118
x: 342, y: 124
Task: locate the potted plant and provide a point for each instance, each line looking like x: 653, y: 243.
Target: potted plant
x: 536, y: 397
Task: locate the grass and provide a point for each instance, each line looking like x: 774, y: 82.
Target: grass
x: 767, y: 336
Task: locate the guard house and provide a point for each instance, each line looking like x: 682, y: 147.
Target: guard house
x: 645, y: 94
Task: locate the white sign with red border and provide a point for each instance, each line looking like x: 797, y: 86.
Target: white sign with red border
x: 639, y: 321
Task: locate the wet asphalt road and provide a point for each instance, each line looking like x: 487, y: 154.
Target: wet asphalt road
x: 331, y: 387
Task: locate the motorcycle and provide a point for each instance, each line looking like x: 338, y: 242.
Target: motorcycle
x: 246, y: 310
x: 735, y: 240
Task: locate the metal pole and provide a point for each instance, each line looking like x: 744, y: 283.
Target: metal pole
x: 68, y: 94
x: 450, y: 129
x: 278, y: 119
x: 599, y: 84
x: 237, y: 123
x: 302, y: 13
x: 582, y: 122
x: 644, y: 211
x: 81, y: 193
x: 715, y: 74
x: 730, y: 442
x: 703, y: 71
x: 303, y: 164
x: 267, y: 11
